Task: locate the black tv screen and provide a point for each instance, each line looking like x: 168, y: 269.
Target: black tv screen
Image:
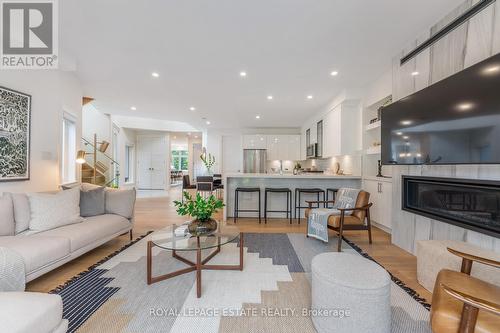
x: 454, y: 121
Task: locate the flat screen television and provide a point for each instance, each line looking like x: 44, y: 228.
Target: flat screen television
x: 454, y: 121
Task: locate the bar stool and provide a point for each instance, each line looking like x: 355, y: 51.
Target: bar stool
x: 236, y: 201
x: 334, y: 193
x: 288, y: 210
x: 299, y: 191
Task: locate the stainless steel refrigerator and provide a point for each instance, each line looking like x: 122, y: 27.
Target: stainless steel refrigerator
x: 254, y: 160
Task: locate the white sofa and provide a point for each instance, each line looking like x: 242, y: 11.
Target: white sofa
x: 47, y: 250
x: 25, y: 256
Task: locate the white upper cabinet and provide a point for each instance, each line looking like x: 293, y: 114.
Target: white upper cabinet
x: 342, y: 130
x: 255, y: 141
x: 283, y: 147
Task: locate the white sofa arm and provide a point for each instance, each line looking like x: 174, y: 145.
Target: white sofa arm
x: 12, y: 270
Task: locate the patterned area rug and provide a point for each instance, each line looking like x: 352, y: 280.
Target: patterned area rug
x: 271, y: 294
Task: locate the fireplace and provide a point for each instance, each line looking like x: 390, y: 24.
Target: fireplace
x: 470, y: 204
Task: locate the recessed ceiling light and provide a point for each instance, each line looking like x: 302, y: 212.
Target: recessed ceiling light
x: 399, y: 133
x: 415, y: 73
x: 270, y: 97
x: 207, y: 122
x: 155, y: 74
x: 192, y: 108
x: 310, y: 97
x: 243, y: 74
x: 133, y: 108
x: 334, y: 73
x: 196, y: 136
x: 465, y: 106
x: 406, y: 137
x: 257, y: 117
x: 406, y: 122
x: 175, y: 137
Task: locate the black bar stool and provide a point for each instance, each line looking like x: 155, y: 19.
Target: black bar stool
x: 236, y: 201
x: 334, y: 193
x: 299, y: 191
x: 288, y: 210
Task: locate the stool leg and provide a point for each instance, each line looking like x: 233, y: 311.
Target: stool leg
x: 235, y: 206
x: 259, y: 206
x: 295, y: 207
x: 265, y: 207
x: 317, y: 195
x: 300, y: 204
x: 289, y: 202
x: 324, y: 205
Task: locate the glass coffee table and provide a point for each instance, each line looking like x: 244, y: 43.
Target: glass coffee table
x: 166, y: 239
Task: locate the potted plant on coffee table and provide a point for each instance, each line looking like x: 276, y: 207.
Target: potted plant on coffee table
x: 201, y: 210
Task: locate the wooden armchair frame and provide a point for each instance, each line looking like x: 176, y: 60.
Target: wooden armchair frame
x: 472, y: 304
x: 342, y: 227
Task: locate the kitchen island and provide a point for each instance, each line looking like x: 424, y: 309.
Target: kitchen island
x: 278, y: 201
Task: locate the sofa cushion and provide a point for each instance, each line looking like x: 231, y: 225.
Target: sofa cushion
x: 22, y: 212
x: 7, y: 225
x: 120, y: 202
x: 91, y: 230
x: 49, y: 211
x: 36, y: 250
x: 92, y: 202
x: 12, y: 272
x: 25, y: 312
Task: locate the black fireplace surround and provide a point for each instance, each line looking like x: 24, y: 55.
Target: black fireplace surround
x: 470, y: 204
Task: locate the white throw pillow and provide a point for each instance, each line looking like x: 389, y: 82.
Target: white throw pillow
x: 49, y: 211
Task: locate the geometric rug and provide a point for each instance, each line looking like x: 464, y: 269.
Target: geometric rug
x: 271, y: 294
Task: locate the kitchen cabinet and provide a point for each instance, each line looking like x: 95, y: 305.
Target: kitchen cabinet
x: 283, y: 147
x: 381, y: 197
x: 342, y: 130
x: 254, y: 141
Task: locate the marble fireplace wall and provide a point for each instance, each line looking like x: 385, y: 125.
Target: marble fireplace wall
x: 472, y: 42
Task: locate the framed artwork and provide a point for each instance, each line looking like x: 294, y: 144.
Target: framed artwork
x: 15, y: 126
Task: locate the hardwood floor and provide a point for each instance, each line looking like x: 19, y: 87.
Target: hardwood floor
x: 156, y: 212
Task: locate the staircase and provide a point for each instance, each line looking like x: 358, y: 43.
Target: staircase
x: 106, y: 168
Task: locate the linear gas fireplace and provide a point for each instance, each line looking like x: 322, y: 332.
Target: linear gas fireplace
x: 470, y: 204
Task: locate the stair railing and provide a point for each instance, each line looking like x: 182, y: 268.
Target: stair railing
x: 104, y: 170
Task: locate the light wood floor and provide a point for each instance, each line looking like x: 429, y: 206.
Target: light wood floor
x: 157, y: 212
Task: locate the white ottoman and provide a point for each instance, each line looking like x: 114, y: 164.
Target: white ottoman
x: 350, y: 294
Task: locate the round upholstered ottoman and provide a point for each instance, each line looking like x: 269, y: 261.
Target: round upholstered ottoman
x: 350, y: 294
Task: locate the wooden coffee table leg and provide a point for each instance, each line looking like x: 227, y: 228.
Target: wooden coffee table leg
x: 198, y: 273
x: 150, y: 246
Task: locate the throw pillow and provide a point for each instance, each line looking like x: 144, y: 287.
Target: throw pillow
x: 120, y: 202
x: 7, y: 225
x: 22, y: 212
x: 92, y: 202
x: 49, y: 211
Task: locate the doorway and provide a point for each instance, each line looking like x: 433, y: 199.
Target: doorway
x: 152, y: 152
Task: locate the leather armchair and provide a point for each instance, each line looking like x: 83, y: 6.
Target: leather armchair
x: 464, y: 304
x: 349, y: 218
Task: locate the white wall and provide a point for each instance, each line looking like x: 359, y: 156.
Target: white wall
x: 127, y: 137
x: 96, y: 122
x: 52, y: 92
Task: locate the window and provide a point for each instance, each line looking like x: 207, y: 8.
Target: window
x: 68, y: 167
x: 129, y: 164
x: 180, y: 160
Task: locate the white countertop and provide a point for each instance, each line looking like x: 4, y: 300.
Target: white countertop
x: 289, y: 176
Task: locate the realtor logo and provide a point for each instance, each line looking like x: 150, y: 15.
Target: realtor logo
x: 29, y: 34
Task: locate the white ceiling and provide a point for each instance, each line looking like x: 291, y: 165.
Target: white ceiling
x: 287, y: 47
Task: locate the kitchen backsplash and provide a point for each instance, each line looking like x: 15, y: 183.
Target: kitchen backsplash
x: 349, y: 164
